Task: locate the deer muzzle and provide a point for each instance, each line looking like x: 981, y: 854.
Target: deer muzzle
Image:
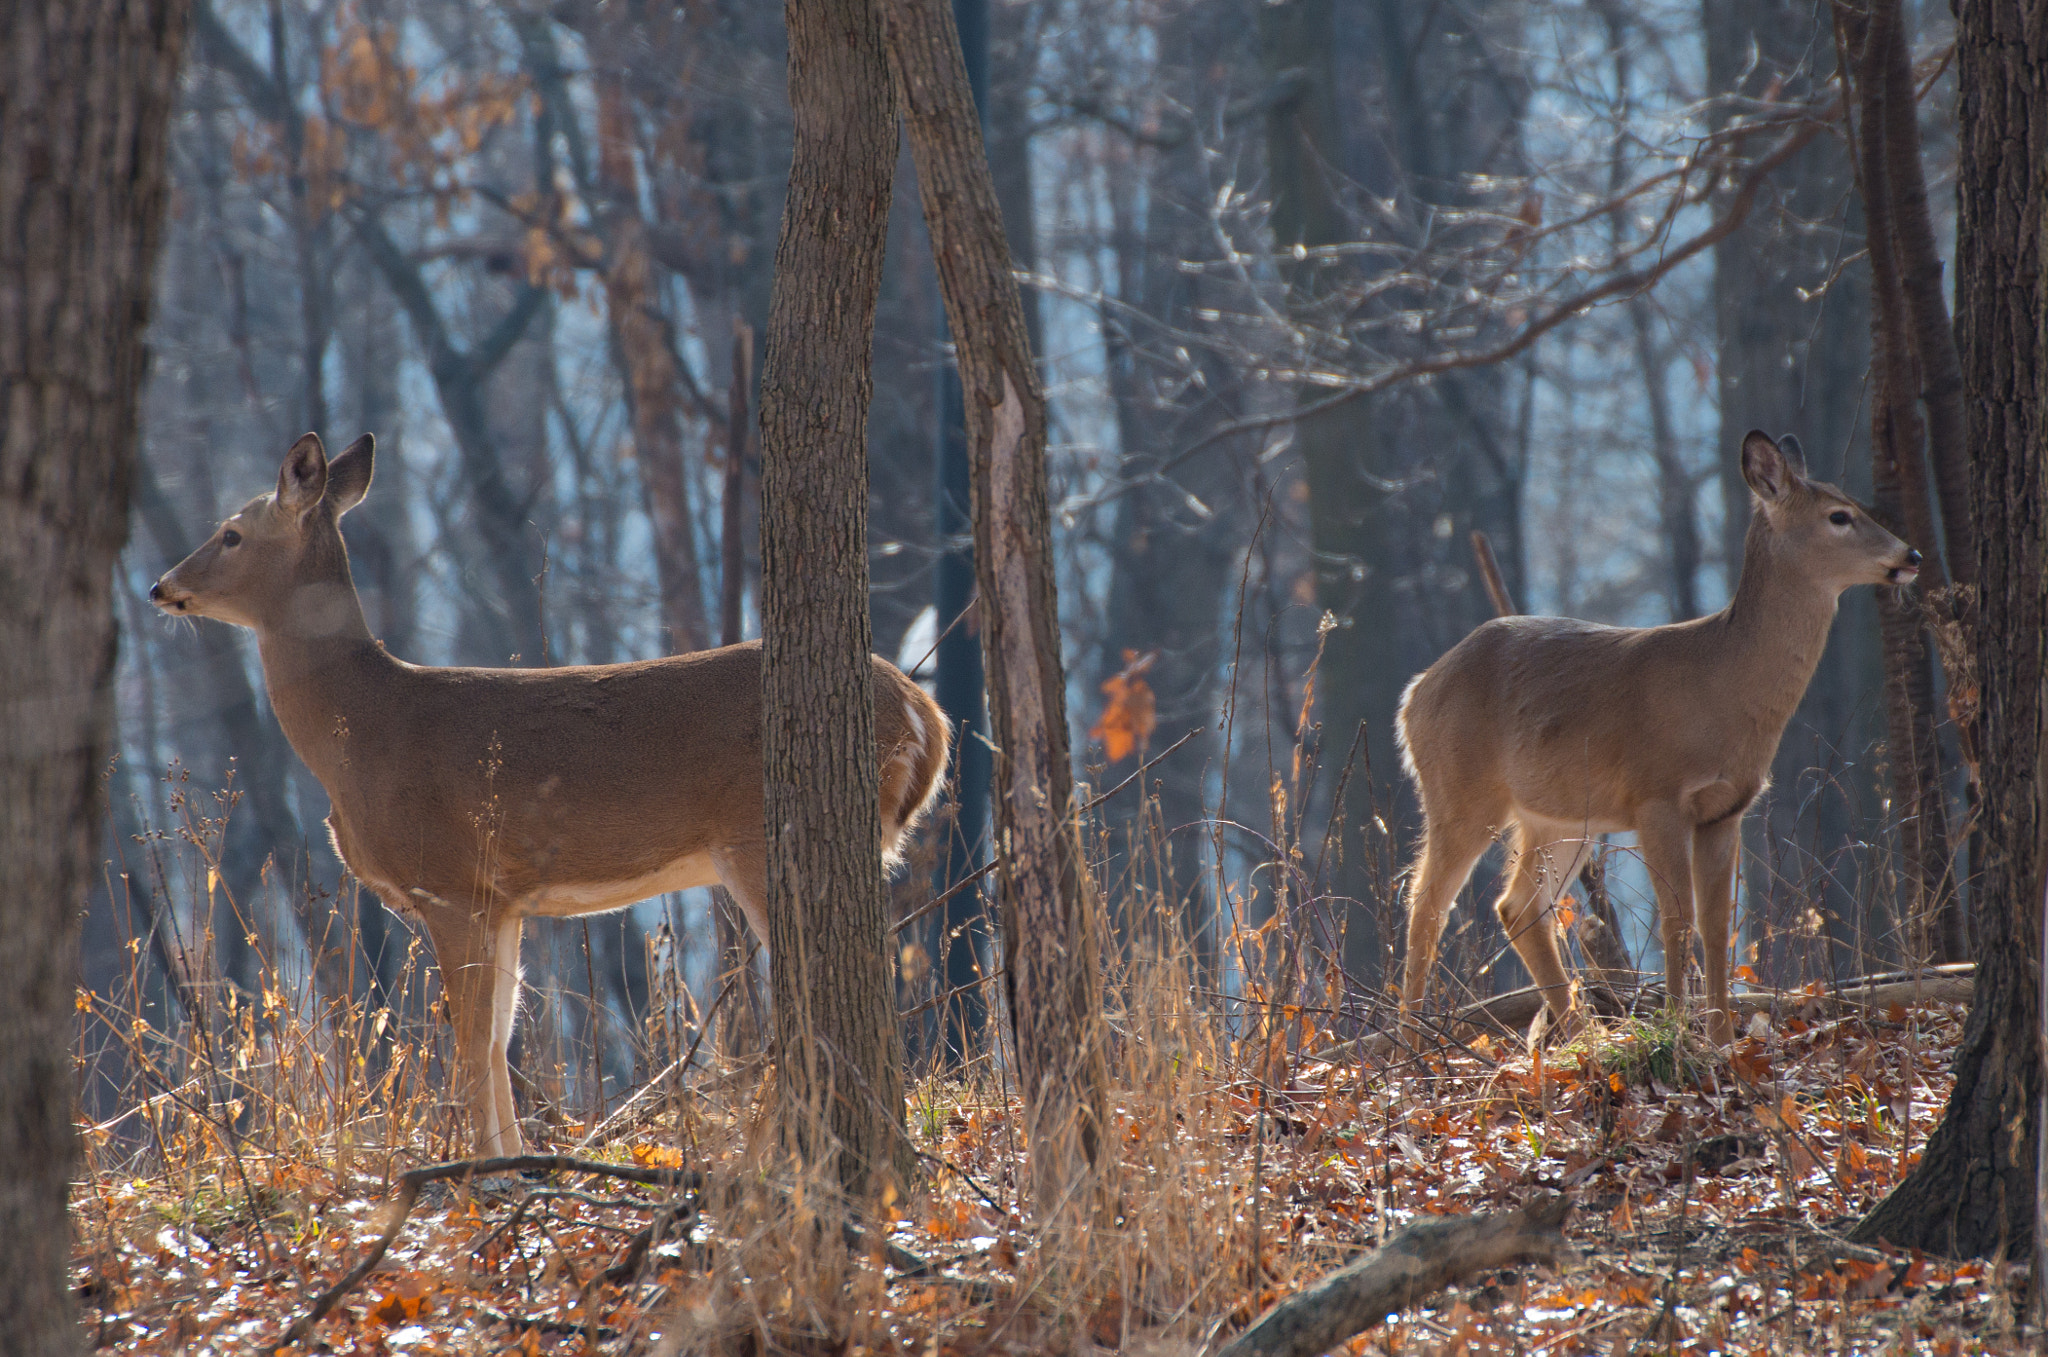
x: 171, y: 600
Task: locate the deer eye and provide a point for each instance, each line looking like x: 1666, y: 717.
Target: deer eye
x: 1840, y: 518
x: 231, y: 538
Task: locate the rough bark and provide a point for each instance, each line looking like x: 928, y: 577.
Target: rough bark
x: 86, y: 92
x: 1973, y: 1190
x: 1893, y: 188
x: 1049, y: 931
x: 840, y: 1077
x: 1409, y: 1268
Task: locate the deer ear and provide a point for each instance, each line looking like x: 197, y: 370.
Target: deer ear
x: 302, y: 480
x: 348, y: 475
x: 1794, y: 455
x: 1764, y: 465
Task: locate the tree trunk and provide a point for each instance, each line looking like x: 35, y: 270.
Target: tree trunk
x: 1177, y: 545
x: 1055, y: 985
x: 1353, y: 544
x: 958, y: 937
x: 1792, y: 353
x: 1973, y: 1190
x: 643, y: 346
x: 1923, y: 321
x: 840, y: 1070
x: 1892, y: 188
x: 86, y: 92
x: 462, y: 380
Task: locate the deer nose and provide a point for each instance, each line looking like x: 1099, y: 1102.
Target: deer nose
x: 1912, y: 559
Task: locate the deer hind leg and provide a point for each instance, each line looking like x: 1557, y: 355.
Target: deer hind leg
x: 1451, y: 846
x: 471, y: 954
x: 1543, y: 860
x: 507, y: 978
x: 1665, y: 837
x: 744, y: 872
x: 1714, y: 849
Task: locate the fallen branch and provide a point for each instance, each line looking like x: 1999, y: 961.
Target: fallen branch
x: 1514, y: 1011
x: 1414, y: 1265
x: 399, y: 1208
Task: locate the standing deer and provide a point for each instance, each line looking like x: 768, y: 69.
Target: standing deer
x: 1556, y: 731
x: 472, y: 799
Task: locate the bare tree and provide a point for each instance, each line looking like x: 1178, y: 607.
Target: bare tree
x: 841, y: 1077
x: 1049, y: 931
x: 85, y: 104
x: 1973, y: 1192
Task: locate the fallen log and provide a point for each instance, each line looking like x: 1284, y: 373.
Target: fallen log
x: 1514, y: 1011
x: 1412, y: 1266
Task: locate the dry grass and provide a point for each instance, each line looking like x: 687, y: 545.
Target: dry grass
x: 257, y: 1137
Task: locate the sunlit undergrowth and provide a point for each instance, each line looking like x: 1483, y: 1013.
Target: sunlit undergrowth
x: 1258, y: 1145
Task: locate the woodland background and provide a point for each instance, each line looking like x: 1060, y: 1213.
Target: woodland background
x: 529, y: 246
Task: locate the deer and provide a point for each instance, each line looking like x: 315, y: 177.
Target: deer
x: 1553, y: 731
x: 472, y: 799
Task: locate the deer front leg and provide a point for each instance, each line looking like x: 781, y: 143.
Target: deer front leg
x: 1665, y: 837
x: 1714, y: 850
x: 479, y: 962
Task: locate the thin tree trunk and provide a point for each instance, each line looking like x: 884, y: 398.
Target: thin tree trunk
x: 1674, y: 481
x: 1792, y: 353
x: 1972, y: 1193
x: 1355, y: 539
x: 958, y: 937
x: 86, y: 92
x: 648, y: 362
x: 1924, y: 320
x: 1929, y: 905
x: 840, y: 1075
x: 1049, y: 928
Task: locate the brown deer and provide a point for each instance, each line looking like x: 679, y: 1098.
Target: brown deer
x: 472, y: 799
x: 1556, y: 731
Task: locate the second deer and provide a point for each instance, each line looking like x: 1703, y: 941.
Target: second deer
x: 1554, y: 731
x: 472, y: 799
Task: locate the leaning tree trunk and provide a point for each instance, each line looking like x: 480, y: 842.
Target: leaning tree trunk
x: 1973, y: 1191
x: 840, y: 1069
x: 86, y: 90
x: 1055, y: 985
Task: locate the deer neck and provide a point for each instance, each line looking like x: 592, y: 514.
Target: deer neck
x: 320, y: 661
x: 1773, y: 631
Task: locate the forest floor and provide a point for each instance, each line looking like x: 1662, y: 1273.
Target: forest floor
x: 1710, y: 1195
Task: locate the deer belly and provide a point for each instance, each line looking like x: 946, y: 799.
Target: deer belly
x: 564, y: 899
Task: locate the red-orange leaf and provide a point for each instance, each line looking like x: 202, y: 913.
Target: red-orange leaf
x: 1130, y: 714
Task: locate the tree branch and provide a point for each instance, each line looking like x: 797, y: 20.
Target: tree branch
x: 1412, y: 1266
